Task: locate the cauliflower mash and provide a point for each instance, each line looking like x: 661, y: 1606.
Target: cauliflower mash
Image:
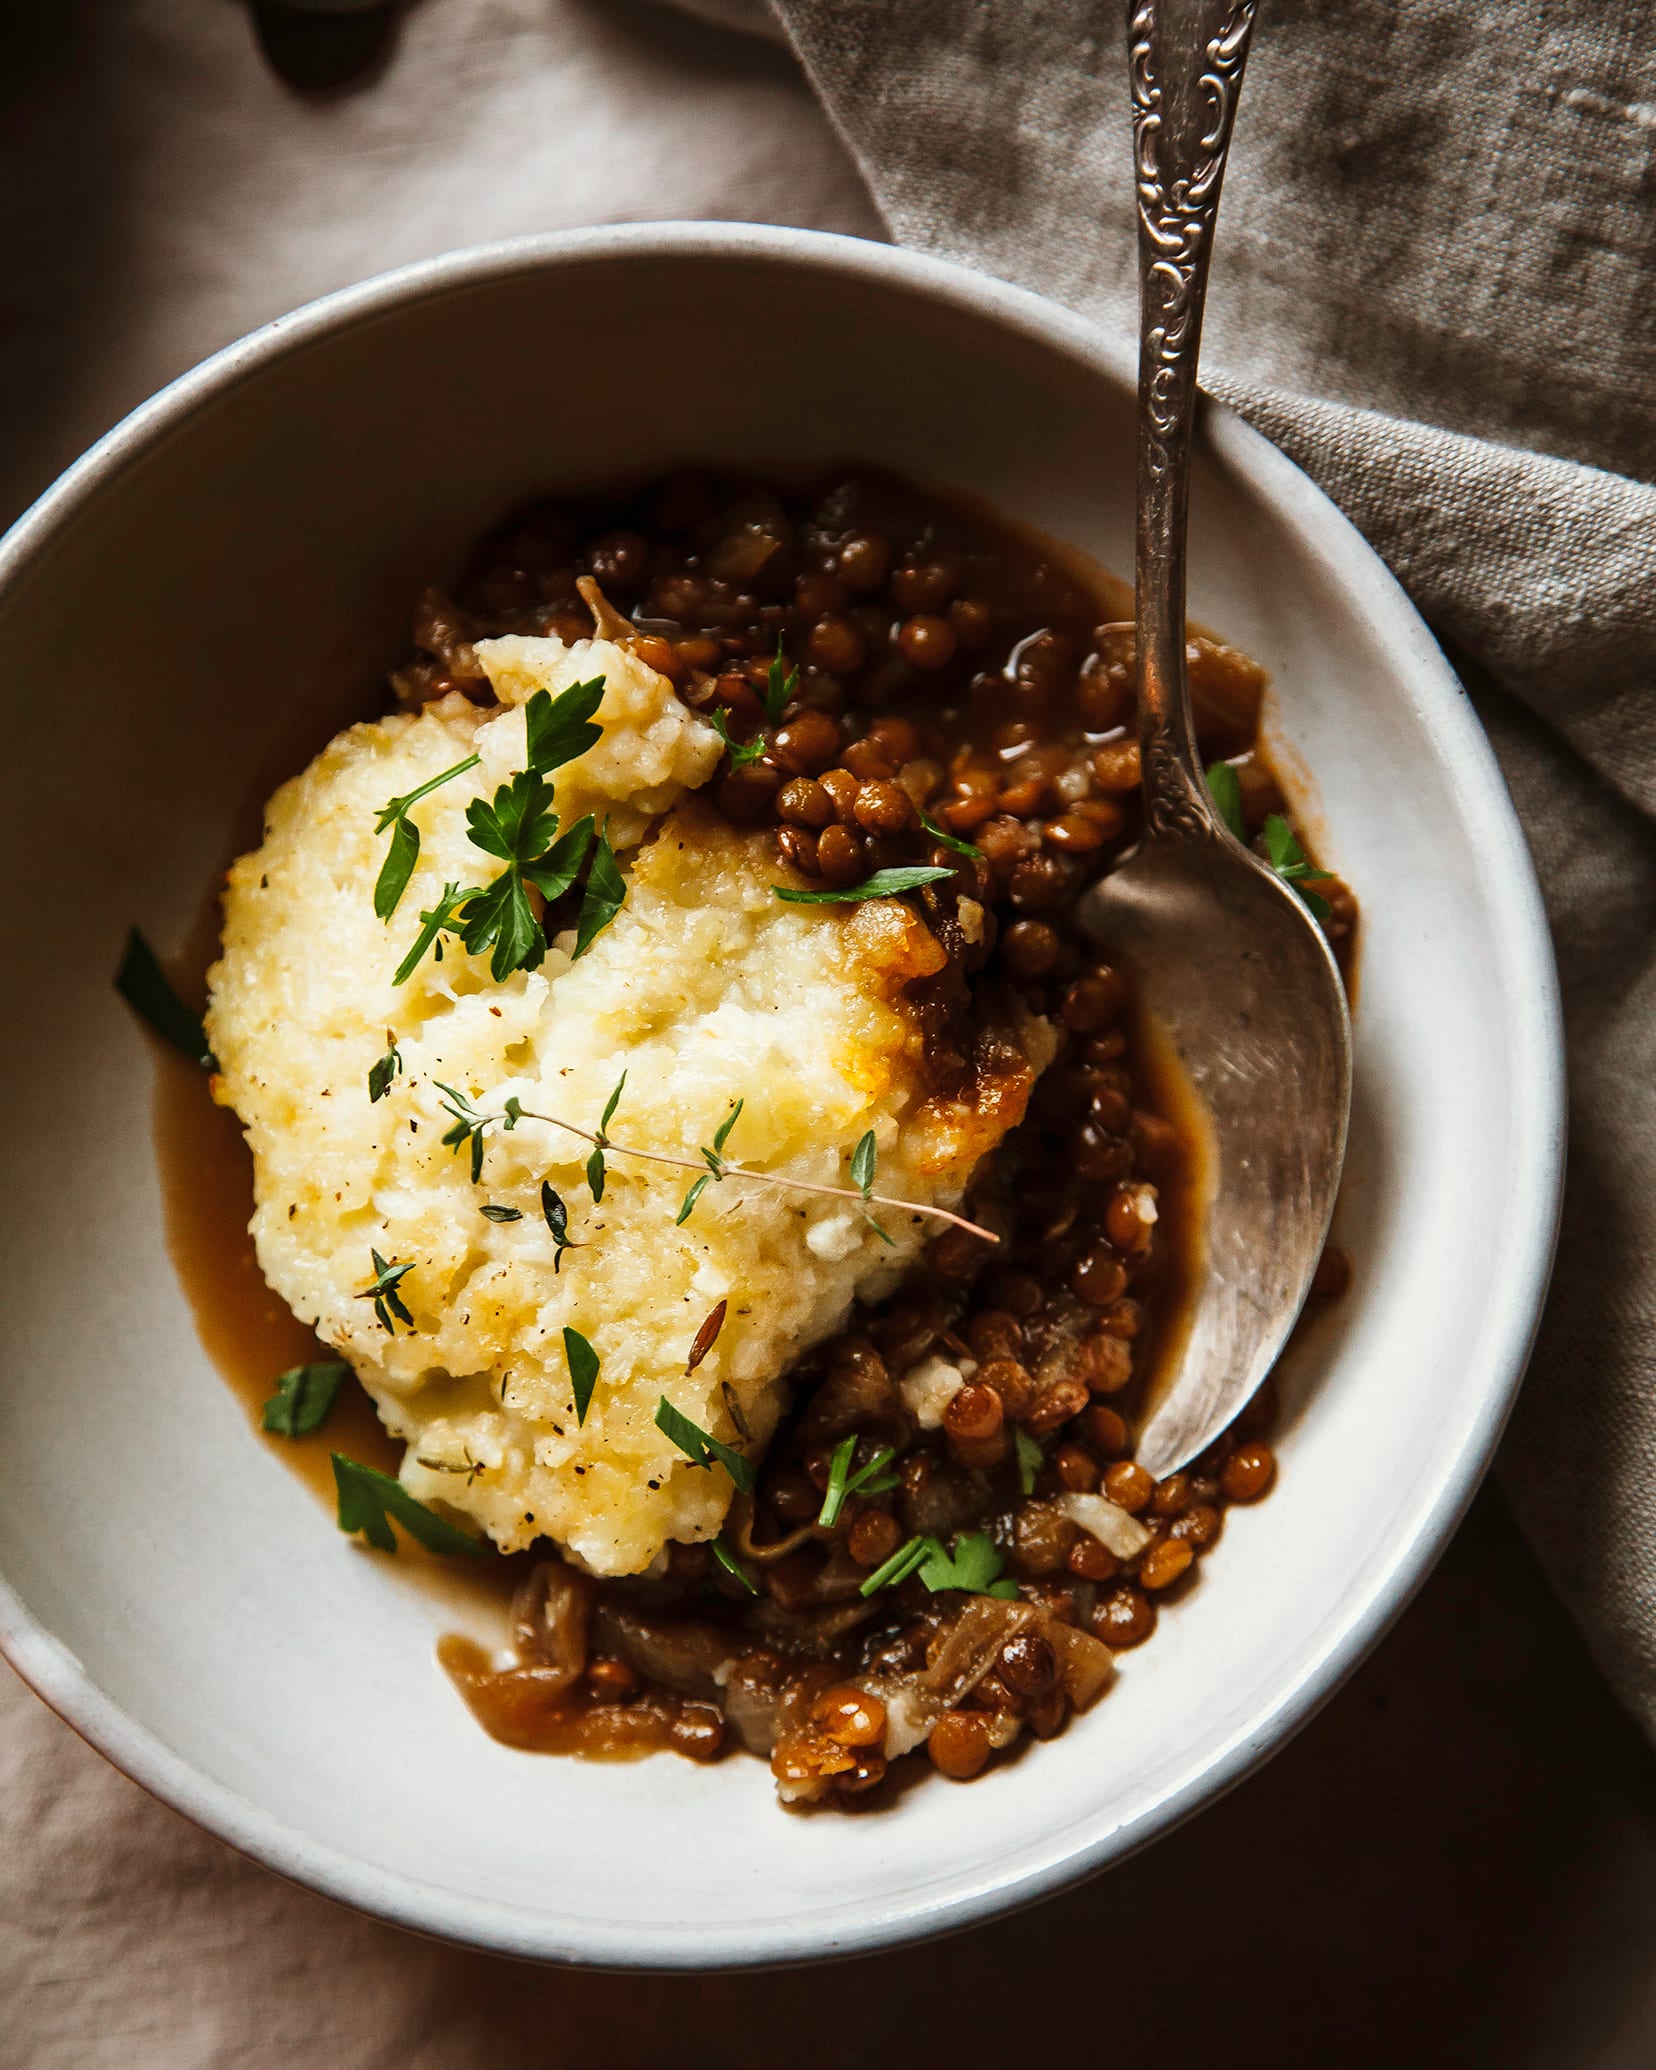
x: 706, y: 990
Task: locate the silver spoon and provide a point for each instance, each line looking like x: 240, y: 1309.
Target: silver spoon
x: 1229, y: 965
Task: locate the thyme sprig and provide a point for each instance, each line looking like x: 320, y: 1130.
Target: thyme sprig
x: 404, y: 851
x: 389, y: 1305
x: 472, y: 1124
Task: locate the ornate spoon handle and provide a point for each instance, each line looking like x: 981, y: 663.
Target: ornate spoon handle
x: 1186, y: 60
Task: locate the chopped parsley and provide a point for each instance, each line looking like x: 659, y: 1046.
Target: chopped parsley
x: 974, y: 1567
x: 871, y: 1478
x: 729, y: 1562
x: 603, y: 898
x: 303, y: 1397
x: 369, y: 1499
x: 1030, y: 1459
x: 697, y: 1446
x: 1282, y: 850
x: 142, y: 984
x: 949, y: 840
x: 741, y: 752
x: 404, y: 851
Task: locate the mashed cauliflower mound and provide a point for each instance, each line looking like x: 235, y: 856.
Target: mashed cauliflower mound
x: 705, y: 989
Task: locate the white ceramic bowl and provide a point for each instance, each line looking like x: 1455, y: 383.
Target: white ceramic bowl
x: 171, y: 1588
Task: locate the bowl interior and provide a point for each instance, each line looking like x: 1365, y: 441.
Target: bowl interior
x: 179, y: 1592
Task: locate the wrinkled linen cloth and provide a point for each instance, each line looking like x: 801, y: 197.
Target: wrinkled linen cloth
x: 1433, y: 288
x: 167, y: 194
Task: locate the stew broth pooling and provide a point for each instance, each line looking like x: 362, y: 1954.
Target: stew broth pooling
x: 965, y: 701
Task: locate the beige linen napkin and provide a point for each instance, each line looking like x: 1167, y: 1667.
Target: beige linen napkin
x: 1433, y: 288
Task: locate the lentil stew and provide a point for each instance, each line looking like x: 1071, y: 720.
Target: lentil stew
x: 949, y: 1539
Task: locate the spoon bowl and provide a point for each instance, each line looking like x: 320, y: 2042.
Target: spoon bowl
x: 1223, y: 960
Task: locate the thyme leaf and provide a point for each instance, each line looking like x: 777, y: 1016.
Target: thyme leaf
x: 501, y: 1214
x: 557, y: 1220
x: 382, y: 1073
x: 582, y: 1361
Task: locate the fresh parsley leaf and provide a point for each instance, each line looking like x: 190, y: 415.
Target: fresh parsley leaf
x: 697, y: 1445
x: 883, y: 884
x: 583, y: 1370
x: 557, y: 1220
x: 1294, y: 866
x: 503, y: 915
x: 517, y: 824
x: 1030, y: 1459
x: 388, y: 1303
x: 1225, y: 789
x: 949, y: 840
x: 699, y: 1187
x: 558, y: 868
x: 398, y: 807
x: 380, y: 1076
x: 303, y: 1397
x: 369, y: 1499
x: 439, y: 919
x: 397, y: 867
x: 596, y: 1174
x: 741, y: 752
x: 728, y: 1561
x: 500, y: 1214
x: 721, y: 1135
x: 404, y: 851
x: 975, y: 1567
x: 603, y: 898
x: 558, y: 729
x: 141, y: 983
x: 899, y: 1567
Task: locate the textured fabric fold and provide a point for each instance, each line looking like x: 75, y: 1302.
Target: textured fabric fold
x: 1431, y: 289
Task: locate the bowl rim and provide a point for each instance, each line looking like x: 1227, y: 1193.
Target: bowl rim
x: 1535, y: 1044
